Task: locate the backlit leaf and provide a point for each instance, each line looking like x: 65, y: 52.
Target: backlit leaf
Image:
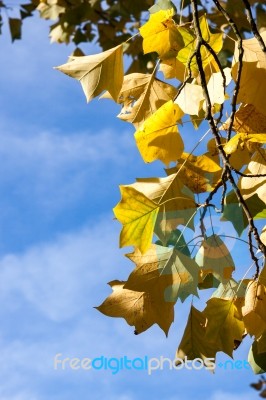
x: 253, y: 75
x: 139, y: 309
x: 223, y: 324
x: 138, y: 215
x: 142, y: 95
x: 98, y: 72
x: 158, y: 137
x: 164, y: 270
x: 213, y: 257
x: 194, y: 344
x: 199, y: 173
x: 254, y: 309
x: 160, y: 34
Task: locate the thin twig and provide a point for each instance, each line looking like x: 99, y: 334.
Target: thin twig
x: 254, y: 26
x: 227, y: 167
x: 240, y: 64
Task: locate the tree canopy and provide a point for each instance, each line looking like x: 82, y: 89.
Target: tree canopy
x: 194, y: 63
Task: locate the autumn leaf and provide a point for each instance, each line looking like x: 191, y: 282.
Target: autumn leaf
x: 193, y: 344
x: 247, y: 120
x: 140, y: 309
x: 233, y: 291
x: 257, y: 358
x: 216, y: 86
x: 254, y: 309
x: 138, y: 215
x: 213, y: 257
x: 255, y: 185
x: 158, y: 137
x: 215, y: 40
x: 98, y: 72
x: 173, y: 68
x: 224, y: 325
x: 233, y: 211
x: 160, y: 34
x: 142, y: 95
x: 253, y: 76
x: 241, y: 139
x: 165, y: 271
x: 190, y: 99
x: 177, y: 204
x: 162, y: 5
x: 200, y: 173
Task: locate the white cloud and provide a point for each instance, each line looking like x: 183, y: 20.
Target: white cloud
x: 53, y: 169
x: 58, y: 277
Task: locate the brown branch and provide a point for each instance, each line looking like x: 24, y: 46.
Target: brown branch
x: 240, y: 64
x: 254, y: 26
x: 248, y: 175
x: 227, y: 167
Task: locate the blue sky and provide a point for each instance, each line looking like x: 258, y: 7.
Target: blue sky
x: 62, y: 162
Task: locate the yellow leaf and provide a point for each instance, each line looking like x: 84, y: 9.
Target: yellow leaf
x: 241, y: 139
x: 213, y: 257
x: 140, y: 309
x: 138, y: 215
x: 216, y: 86
x: 254, y: 310
x: 141, y: 95
x: 251, y: 186
x: 160, y: 34
x: 253, y: 76
x: 199, y: 173
x: 98, y: 72
x: 164, y: 271
x: 193, y: 344
x: 177, y: 205
x: 173, y: 68
x: 190, y: 99
x: 158, y: 137
x: 223, y: 324
x: 247, y: 120
x: 214, y: 40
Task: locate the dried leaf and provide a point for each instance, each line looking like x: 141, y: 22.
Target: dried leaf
x: 139, y: 309
x: 142, y: 95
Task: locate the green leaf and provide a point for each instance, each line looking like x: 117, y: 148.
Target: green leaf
x: 234, y: 213
x: 256, y: 359
x: 162, y: 5
x: 166, y: 270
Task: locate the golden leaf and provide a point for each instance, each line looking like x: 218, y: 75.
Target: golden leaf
x: 140, y: 309
x: 160, y: 34
x: 158, y: 137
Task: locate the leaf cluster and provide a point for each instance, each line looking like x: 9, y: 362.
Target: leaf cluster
x: 226, y: 178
